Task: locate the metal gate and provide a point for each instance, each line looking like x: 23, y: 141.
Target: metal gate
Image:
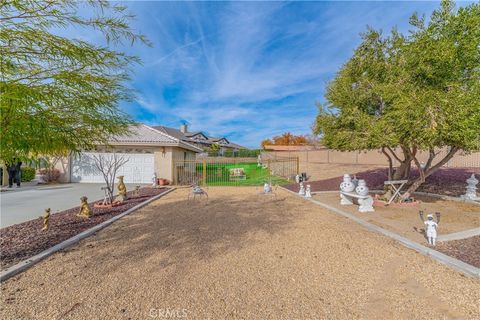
x: 219, y: 171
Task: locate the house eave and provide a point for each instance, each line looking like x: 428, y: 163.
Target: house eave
x: 154, y: 144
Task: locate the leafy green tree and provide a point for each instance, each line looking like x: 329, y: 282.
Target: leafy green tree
x: 214, y: 149
x: 59, y: 94
x: 405, y: 93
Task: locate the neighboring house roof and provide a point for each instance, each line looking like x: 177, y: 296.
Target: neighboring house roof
x: 144, y: 135
x: 193, y: 134
x: 190, y: 137
x: 273, y: 147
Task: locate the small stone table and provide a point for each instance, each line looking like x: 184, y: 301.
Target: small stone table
x: 394, y: 184
x: 365, y: 202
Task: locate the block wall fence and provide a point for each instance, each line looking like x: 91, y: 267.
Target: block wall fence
x: 372, y: 157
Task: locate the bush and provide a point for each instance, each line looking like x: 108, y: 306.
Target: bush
x: 27, y: 173
x: 50, y: 175
x: 242, y: 153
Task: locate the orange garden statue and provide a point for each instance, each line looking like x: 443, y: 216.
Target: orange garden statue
x: 85, y: 211
x: 122, y: 189
x: 46, y: 220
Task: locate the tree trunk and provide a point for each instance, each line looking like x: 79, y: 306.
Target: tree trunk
x: 428, y: 170
x: 403, y: 171
x: 390, y: 163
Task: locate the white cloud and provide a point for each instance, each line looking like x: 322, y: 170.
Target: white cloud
x: 249, y: 70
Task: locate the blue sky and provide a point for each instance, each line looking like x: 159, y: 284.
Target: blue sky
x: 248, y: 70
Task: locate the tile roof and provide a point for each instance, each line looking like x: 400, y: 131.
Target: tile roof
x: 171, y: 131
x: 144, y: 135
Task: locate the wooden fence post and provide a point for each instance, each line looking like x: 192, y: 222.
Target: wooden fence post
x: 204, y: 173
x: 298, y: 165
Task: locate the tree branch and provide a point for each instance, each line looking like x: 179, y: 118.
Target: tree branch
x: 394, y: 154
x: 449, y: 156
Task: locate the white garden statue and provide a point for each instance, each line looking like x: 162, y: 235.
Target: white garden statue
x: 302, y: 189
x: 362, y: 188
x: 471, y: 193
x: 431, y: 227
x: 347, y: 196
x: 347, y: 185
x: 308, y: 192
x: 154, y: 180
x: 267, y: 188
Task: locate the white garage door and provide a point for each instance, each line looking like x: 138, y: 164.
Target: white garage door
x: 138, y: 169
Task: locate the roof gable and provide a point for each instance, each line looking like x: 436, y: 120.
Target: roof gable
x: 198, y: 136
x: 221, y: 141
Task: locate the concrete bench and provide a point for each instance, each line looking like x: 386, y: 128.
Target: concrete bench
x: 365, y: 202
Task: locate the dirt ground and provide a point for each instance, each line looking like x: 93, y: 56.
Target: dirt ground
x: 243, y: 256
x: 405, y: 221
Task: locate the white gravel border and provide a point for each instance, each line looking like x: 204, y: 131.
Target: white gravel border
x: 25, y: 264
x: 456, y: 264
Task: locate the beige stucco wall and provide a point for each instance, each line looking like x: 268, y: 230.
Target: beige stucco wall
x: 164, y: 162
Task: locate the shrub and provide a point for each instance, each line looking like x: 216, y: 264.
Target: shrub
x: 50, y: 175
x: 28, y: 174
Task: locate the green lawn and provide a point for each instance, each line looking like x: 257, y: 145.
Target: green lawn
x: 219, y: 175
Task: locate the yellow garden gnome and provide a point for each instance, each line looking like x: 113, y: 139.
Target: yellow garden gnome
x: 85, y: 211
x: 122, y: 189
x: 46, y: 220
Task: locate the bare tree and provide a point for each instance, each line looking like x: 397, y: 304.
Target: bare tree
x: 108, y: 166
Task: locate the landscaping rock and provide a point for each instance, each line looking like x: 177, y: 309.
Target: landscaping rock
x: 23, y: 240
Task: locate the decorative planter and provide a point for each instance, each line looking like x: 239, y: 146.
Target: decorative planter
x: 162, y: 181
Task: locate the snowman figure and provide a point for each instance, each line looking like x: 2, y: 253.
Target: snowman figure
x: 308, y: 192
x: 154, y: 180
x: 431, y: 227
x: 267, y: 188
x: 302, y: 189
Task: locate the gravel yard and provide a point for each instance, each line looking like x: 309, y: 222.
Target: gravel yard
x: 239, y: 255
x: 405, y: 221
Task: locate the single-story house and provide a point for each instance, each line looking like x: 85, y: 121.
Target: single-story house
x: 200, y: 139
x: 149, y: 151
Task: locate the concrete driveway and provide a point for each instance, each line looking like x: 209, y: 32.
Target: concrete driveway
x: 20, y: 205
